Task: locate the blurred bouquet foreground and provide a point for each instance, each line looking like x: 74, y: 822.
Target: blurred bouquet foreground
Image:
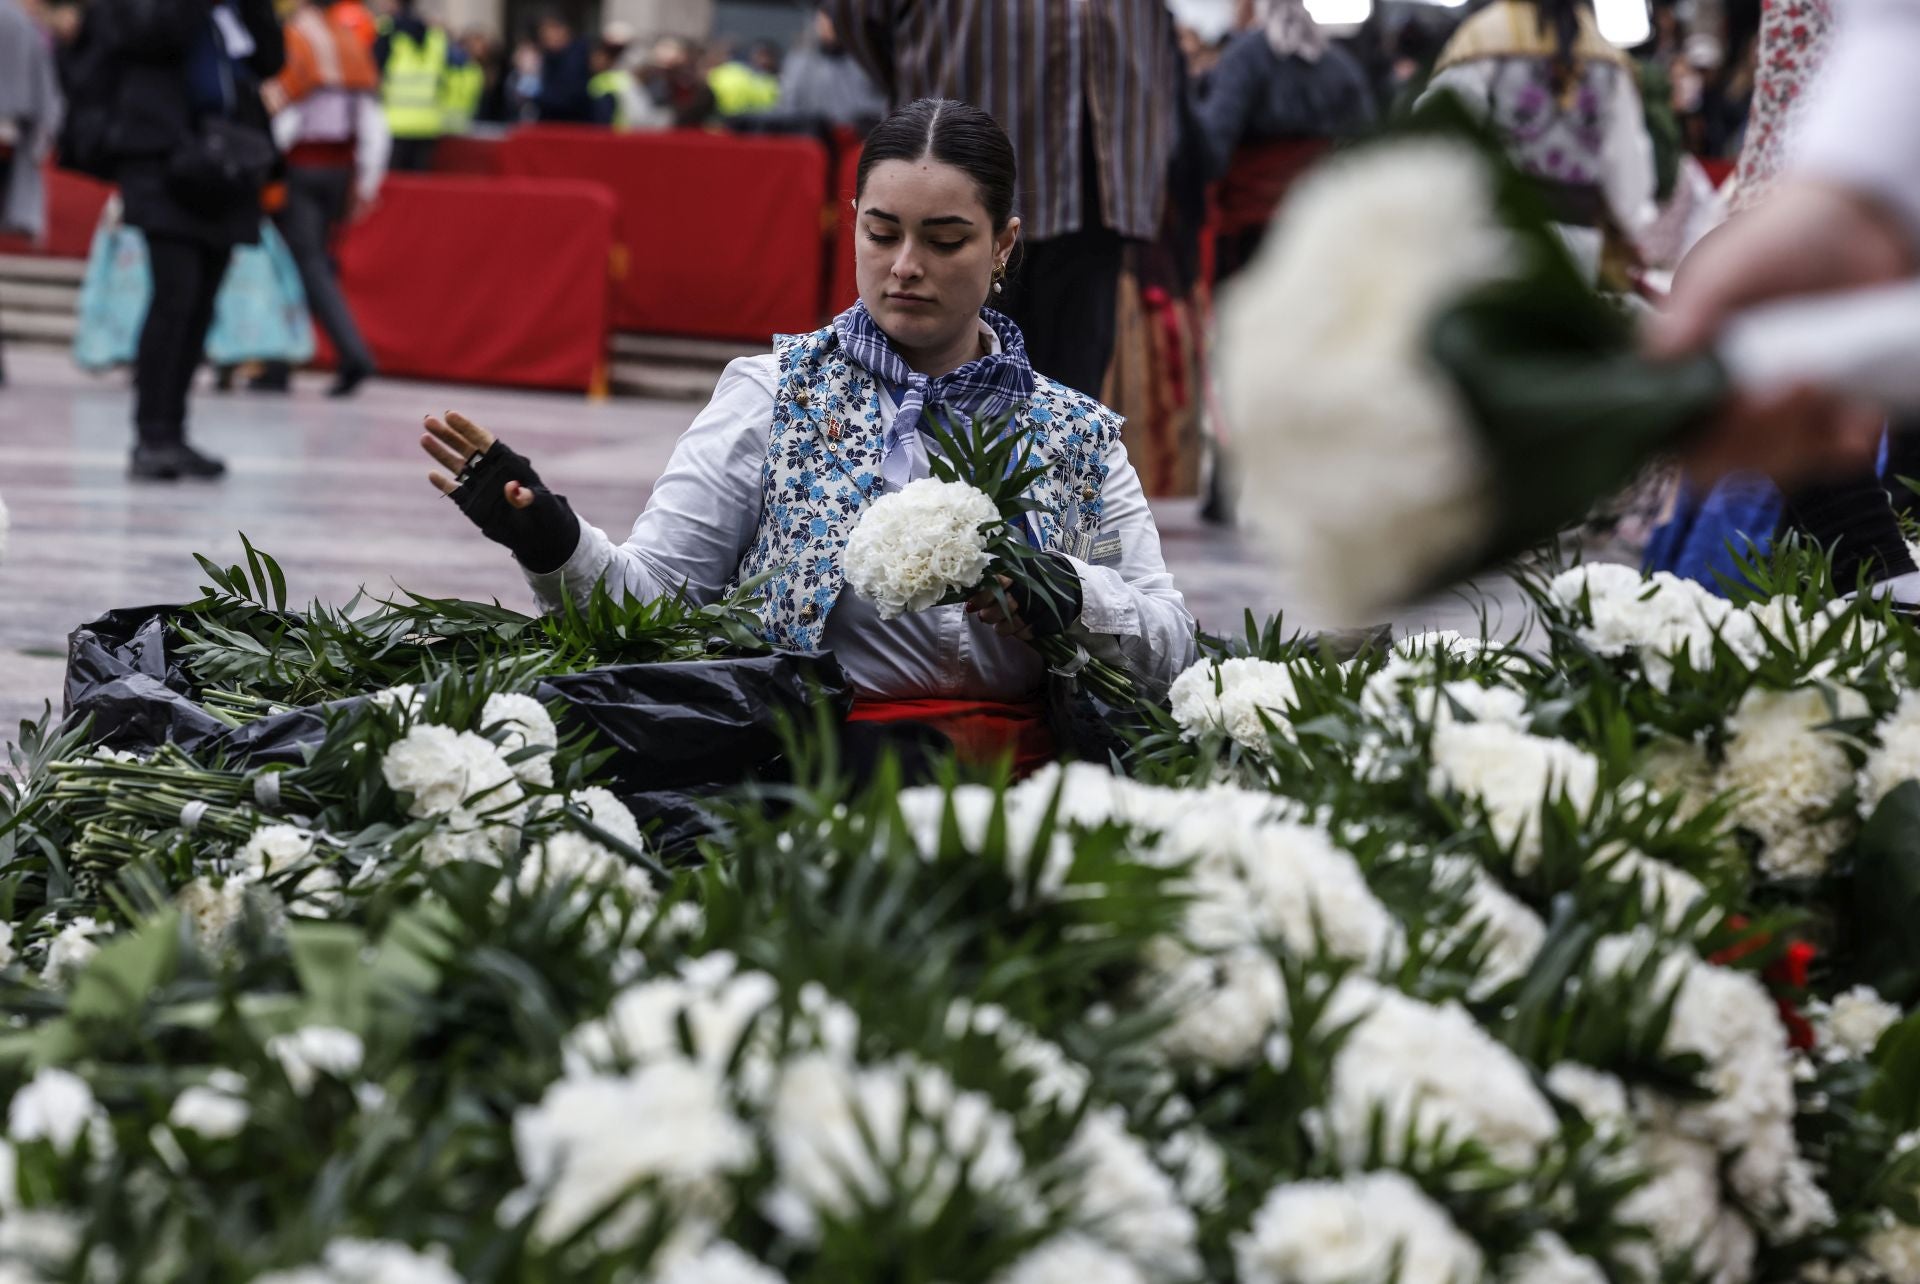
x: 1442, y: 963
x: 1421, y: 384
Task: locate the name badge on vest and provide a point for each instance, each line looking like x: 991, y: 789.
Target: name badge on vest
x: 1105, y: 551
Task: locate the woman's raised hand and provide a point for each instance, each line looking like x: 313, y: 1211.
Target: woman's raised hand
x: 455, y: 443
x: 500, y: 492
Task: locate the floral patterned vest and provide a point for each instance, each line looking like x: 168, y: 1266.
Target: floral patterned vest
x: 823, y: 469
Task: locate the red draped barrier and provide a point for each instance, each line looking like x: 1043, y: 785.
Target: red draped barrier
x: 722, y: 235
x: 74, y: 202
x: 461, y: 154
x: 484, y: 280
x: 842, y: 287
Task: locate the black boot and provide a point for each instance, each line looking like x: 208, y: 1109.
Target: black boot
x: 171, y: 462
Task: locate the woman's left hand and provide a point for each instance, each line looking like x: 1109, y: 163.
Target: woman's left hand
x: 1005, y: 620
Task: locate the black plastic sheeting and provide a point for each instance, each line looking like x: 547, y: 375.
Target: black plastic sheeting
x: 679, y: 731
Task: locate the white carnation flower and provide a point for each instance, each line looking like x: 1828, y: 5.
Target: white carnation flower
x: 609, y: 813
x: 368, y: 1261
x: 919, y: 545
x: 1236, y: 698
x: 272, y: 849
x: 55, y: 1106
x: 314, y: 1050
x: 926, y: 809
x: 1896, y: 759
x: 48, y: 1238
x: 1663, y: 887
x: 1803, y: 628
x: 1786, y: 776
x: 1680, y: 1207
x: 6, y: 944
x: 1071, y: 1258
x: 441, y: 770
x: 1656, y: 618
x: 591, y: 1139
x: 524, y: 722
x: 721, y: 1262
x: 1894, y: 1249
x: 843, y: 1134
x: 1513, y: 775
x: 1222, y: 1009
x: 1432, y: 1068
x: 405, y: 698
x: 1371, y: 481
x: 715, y: 1004
x: 1510, y: 933
x: 1124, y: 1199
x: 1851, y: 1025
x: 213, y: 911
x: 1357, y: 1228
x: 1547, y: 1260
x: 1199, y: 1165
x: 1600, y: 1097
x: 216, y: 1109
x: 71, y: 949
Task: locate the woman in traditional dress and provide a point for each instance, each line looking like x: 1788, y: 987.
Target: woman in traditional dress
x: 1567, y: 103
x: 774, y: 473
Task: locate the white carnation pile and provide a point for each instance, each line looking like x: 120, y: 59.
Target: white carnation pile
x: 56, y: 1106
x: 1513, y: 775
x: 713, y: 1001
x: 1368, y: 478
x: 1657, y: 618
x: 1236, y: 698
x: 1786, y: 776
x: 1896, y: 759
x: 721, y: 1262
x: 1358, y: 1228
x: 271, y: 849
x: 926, y: 809
x: 1548, y: 1260
x: 609, y: 813
x: 920, y: 545
x: 1430, y: 1069
x: 1803, y: 628
x: 368, y: 1261
x: 1222, y: 1010
x: 441, y: 770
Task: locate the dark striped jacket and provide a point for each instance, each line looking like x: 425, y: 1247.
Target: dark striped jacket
x: 1055, y: 74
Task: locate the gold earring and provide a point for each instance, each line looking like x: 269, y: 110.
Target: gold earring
x: 999, y: 275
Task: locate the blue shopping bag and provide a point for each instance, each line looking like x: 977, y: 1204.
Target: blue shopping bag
x: 261, y: 314
x: 114, y: 294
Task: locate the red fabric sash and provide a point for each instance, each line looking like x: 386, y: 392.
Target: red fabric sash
x: 982, y: 731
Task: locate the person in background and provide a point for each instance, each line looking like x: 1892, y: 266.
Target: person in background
x: 1087, y: 92
x: 30, y: 111
x: 466, y: 83
x: 190, y: 152
x: 484, y: 51
x: 1567, y: 105
x: 330, y: 125
x: 565, y: 69
x: 672, y: 80
x: 413, y: 57
x: 748, y: 84
x: 520, y: 94
x: 1288, y: 91
x: 617, y: 100
x: 821, y: 82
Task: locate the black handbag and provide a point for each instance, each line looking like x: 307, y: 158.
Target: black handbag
x: 224, y: 164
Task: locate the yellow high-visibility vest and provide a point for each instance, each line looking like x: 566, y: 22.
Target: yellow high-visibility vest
x: 410, y: 89
x: 460, y: 96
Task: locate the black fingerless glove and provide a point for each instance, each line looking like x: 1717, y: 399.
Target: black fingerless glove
x: 543, y: 535
x: 1057, y: 608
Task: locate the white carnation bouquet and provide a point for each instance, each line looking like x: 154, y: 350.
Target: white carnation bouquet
x: 945, y: 538
x: 1424, y: 385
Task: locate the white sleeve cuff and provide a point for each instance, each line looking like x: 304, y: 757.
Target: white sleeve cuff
x: 1107, y: 602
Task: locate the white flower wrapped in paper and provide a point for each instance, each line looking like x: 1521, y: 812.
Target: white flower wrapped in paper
x: 920, y: 546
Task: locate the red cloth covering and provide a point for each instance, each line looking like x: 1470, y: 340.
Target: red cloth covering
x: 722, y: 234
x: 460, y: 154
x: 842, y: 287
x: 1257, y: 180
x: 74, y: 202
x: 484, y: 280
x: 982, y: 731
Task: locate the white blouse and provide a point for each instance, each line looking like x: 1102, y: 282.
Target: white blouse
x: 705, y: 511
